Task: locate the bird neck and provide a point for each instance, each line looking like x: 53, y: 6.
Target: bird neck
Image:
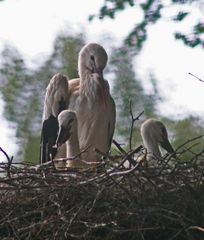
x: 72, y: 145
x: 153, y: 150
x: 94, y: 87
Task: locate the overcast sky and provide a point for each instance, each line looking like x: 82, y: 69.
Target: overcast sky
x: 31, y: 26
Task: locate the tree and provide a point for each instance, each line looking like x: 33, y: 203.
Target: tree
x: 152, y: 12
x: 23, y: 89
x: 127, y: 88
x: 17, y: 90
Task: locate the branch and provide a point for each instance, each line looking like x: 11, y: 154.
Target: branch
x: 119, y: 147
x: 9, y: 162
x: 196, y: 228
x: 196, y: 77
x: 4, y: 152
x: 132, y: 124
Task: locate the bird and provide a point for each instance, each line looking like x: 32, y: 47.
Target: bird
x: 67, y: 121
x: 90, y: 99
x: 68, y: 134
x: 154, y: 135
x: 56, y: 100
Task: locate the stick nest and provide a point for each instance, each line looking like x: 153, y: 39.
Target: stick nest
x: 160, y: 202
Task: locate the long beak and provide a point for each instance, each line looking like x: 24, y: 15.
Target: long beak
x: 100, y: 73
x: 102, y: 83
x: 167, y: 146
x: 63, y: 136
x: 96, y: 70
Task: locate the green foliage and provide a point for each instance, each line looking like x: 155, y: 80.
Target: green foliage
x: 17, y: 90
x: 64, y: 58
x: 23, y: 89
x: 128, y: 88
x: 152, y: 12
x: 110, y: 8
x: 180, y: 16
x: 31, y: 153
x: 185, y: 136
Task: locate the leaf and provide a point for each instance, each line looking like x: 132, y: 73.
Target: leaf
x: 199, y: 28
x: 180, y: 16
x: 91, y: 17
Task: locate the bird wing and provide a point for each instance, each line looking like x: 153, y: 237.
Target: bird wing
x: 56, y: 100
x: 112, y: 118
x: 74, y: 85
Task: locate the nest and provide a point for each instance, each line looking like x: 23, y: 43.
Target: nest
x: 160, y: 202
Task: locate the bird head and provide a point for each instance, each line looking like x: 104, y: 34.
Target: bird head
x: 155, y: 131
x: 67, y: 125
x: 162, y: 137
x: 93, y: 58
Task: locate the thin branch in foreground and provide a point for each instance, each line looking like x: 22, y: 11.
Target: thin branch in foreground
x: 196, y: 228
x: 9, y: 162
x: 119, y: 147
x: 111, y: 204
x: 188, y: 141
x: 133, y: 119
x: 196, y: 77
x: 5, y: 153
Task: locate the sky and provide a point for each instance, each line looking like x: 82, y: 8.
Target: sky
x: 31, y: 26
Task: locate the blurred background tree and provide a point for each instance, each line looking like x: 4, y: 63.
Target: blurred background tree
x: 23, y: 88
x: 128, y: 89
x: 23, y: 91
x: 152, y: 12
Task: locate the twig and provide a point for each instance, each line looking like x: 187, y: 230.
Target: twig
x: 188, y: 141
x: 136, y: 202
x: 196, y: 77
x: 196, y: 228
x: 119, y: 147
x: 82, y: 151
x: 9, y: 162
x: 132, y: 124
x: 7, y: 156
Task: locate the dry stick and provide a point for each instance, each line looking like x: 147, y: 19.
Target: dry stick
x: 110, y: 171
x: 196, y: 77
x: 9, y: 162
x: 132, y: 124
x: 188, y: 141
x: 51, y: 163
x: 7, y: 156
x: 119, y: 147
x: 196, y: 228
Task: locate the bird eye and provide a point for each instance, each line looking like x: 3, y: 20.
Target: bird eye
x: 70, y: 121
x: 92, y: 58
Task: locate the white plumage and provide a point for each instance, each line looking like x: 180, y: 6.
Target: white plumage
x: 89, y: 97
x: 68, y: 134
x: 91, y: 100
x: 154, y: 135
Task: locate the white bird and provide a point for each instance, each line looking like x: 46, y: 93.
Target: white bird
x: 56, y: 100
x: 68, y: 134
x: 90, y: 98
x: 154, y: 135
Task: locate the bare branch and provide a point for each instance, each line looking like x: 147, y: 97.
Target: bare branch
x: 132, y: 124
x: 119, y: 147
x: 196, y: 77
x: 138, y: 202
